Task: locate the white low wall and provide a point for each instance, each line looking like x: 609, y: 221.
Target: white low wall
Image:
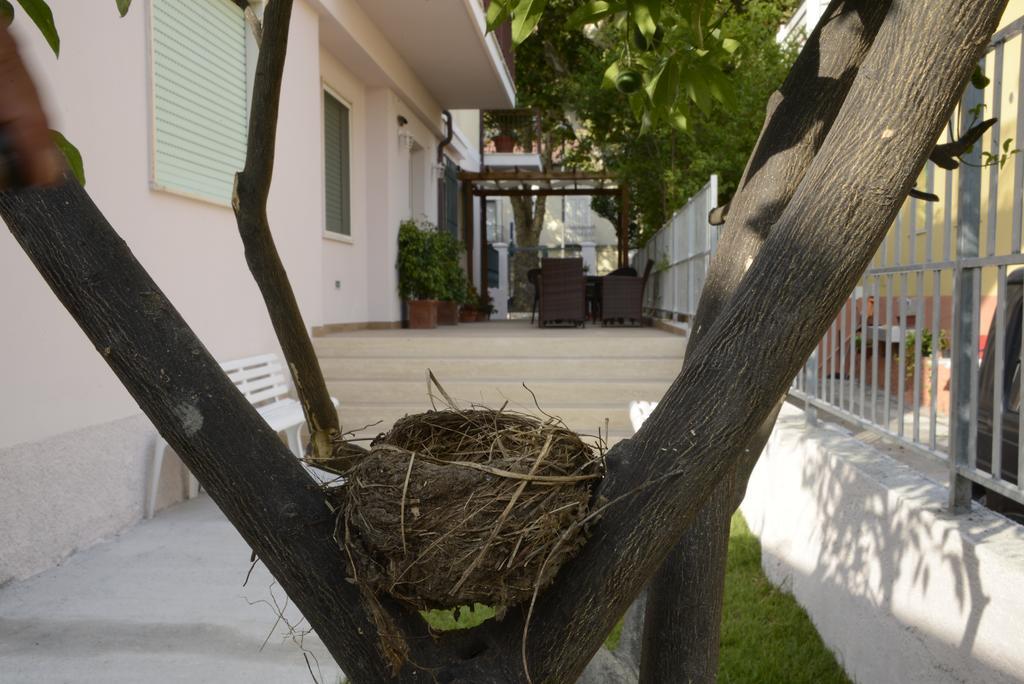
x: 897, y: 588
x: 70, y: 491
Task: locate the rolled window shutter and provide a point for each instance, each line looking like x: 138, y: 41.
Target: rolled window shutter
x: 200, y: 94
x: 336, y: 166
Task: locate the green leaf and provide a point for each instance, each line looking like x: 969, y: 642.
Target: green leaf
x: 71, y: 153
x: 497, y: 14
x: 39, y: 12
x: 699, y: 90
x: 645, y: 15
x: 591, y: 12
x: 730, y: 45
x: 6, y: 12
x: 720, y: 86
x: 122, y: 6
x: 678, y: 119
x: 978, y: 78
x: 637, y: 103
x: 525, y: 17
x: 610, y: 75
x: 663, y: 87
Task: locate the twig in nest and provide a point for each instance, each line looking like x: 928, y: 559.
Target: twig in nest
x: 502, y: 518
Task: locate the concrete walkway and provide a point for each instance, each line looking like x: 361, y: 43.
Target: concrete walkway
x: 163, y: 602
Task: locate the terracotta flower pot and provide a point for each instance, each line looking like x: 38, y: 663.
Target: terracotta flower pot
x: 447, y: 313
x: 504, y: 143
x: 422, y: 313
x: 467, y: 314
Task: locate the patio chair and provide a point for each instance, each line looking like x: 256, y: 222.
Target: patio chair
x: 533, y: 276
x: 622, y: 297
x: 562, y: 292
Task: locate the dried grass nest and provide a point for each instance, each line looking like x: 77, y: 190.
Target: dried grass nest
x: 455, y: 507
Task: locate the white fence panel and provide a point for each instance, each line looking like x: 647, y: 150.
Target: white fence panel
x: 681, y: 252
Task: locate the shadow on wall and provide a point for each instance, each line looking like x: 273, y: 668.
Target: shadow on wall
x: 894, y: 584
x: 872, y: 546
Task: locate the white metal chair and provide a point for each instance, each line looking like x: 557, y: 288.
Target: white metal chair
x: 262, y: 381
x: 639, y: 411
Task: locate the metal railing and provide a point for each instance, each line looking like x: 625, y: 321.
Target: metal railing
x: 515, y: 131
x: 681, y: 252
x: 927, y: 351
x: 503, y: 35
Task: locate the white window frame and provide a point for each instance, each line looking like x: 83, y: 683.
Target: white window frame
x: 327, y: 89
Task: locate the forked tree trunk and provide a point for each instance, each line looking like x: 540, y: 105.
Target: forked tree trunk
x: 905, y: 90
x: 683, y: 621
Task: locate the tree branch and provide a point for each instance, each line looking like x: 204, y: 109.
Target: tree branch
x: 252, y: 188
x: 683, y: 621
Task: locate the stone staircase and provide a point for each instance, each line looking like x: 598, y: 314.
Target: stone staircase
x: 585, y: 377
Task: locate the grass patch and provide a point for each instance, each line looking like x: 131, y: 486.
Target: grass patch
x: 766, y: 635
x: 767, y: 638
x: 462, y: 617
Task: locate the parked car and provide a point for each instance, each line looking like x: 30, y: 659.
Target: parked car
x: 1009, y: 410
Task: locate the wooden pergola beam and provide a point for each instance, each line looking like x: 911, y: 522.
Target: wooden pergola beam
x: 544, y: 192
x: 529, y: 175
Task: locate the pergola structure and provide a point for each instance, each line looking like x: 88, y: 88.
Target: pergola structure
x: 517, y: 182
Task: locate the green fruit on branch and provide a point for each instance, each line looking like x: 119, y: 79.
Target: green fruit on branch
x: 629, y: 82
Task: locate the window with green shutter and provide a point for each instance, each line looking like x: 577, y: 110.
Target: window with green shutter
x: 337, y: 192
x: 199, y: 96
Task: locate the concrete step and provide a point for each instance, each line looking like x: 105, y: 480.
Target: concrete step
x: 495, y: 392
x: 367, y: 418
x: 538, y: 343
x: 448, y: 370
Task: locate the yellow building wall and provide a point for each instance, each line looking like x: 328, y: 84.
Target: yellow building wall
x: 926, y: 231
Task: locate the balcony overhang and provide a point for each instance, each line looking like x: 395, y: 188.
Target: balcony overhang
x: 446, y: 44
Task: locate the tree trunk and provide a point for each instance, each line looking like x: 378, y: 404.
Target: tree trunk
x: 902, y: 95
x: 528, y: 213
x: 656, y: 482
x: 683, y: 621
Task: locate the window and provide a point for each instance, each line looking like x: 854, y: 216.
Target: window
x: 199, y: 96
x: 494, y: 233
x: 337, y: 191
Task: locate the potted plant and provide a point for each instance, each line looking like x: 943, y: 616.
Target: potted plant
x: 468, y: 313
x: 447, y: 251
x: 505, y: 141
x: 420, y: 279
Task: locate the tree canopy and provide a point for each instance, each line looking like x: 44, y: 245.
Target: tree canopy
x: 592, y: 123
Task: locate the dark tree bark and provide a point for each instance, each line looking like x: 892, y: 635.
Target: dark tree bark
x: 528, y: 213
x: 683, y: 619
x: 252, y: 187
x: 811, y: 260
x: 240, y: 461
x: 656, y: 482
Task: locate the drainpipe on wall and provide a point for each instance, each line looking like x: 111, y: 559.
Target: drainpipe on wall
x: 442, y: 219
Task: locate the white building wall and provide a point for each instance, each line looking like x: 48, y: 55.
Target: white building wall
x: 344, y: 260
x: 74, y: 449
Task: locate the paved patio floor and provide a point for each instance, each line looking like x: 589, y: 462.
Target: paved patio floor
x: 163, y: 602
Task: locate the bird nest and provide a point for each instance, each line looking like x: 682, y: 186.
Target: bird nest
x: 456, y: 507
